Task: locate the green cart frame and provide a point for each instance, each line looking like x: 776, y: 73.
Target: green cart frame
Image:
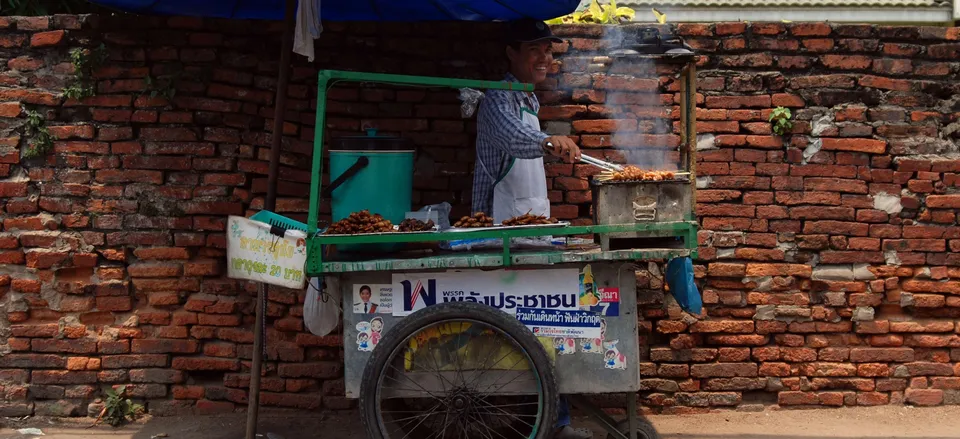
x: 316, y: 265
x: 317, y: 243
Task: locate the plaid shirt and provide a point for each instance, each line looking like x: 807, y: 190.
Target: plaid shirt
x: 501, y: 137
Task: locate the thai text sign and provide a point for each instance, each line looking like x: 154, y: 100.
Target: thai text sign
x: 253, y: 253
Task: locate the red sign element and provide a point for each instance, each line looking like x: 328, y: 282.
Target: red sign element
x: 610, y: 295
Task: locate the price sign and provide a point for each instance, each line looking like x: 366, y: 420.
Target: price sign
x: 253, y: 253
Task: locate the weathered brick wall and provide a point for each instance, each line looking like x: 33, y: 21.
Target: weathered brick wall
x: 825, y: 261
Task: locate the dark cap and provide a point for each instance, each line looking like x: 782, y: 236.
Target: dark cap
x: 528, y: 30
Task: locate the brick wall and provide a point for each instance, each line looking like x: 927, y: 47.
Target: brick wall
x: 826, y: 261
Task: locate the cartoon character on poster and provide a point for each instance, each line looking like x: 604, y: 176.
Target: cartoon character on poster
x: 612, y: 358
x: 592, y: 345
x: 595, y: 345
x: 376, y: 328
x: 565, y: 346
x: 363, y: 337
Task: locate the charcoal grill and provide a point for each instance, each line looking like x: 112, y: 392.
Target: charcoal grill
x: 663, y: 211
x: 643, y: 202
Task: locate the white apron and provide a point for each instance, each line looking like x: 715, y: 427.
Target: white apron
x: 523, y: 186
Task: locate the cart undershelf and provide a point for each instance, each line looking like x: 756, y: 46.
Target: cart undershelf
x: 495, y: 259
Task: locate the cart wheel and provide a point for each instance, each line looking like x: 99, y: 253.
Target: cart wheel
x: 459, y: 369
x: 645, y: 429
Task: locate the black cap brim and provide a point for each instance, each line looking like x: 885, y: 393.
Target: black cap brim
x: 539, y: 40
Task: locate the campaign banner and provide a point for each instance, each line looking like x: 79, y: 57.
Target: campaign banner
x: 506, y: 290
x: 556, y: 323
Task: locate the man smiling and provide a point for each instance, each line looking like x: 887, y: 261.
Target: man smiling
x: 509, y: 179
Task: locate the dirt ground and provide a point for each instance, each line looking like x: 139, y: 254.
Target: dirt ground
x: 864, y: 423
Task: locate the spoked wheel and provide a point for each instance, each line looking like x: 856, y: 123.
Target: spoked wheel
x: 459, y: 370
x: 645, y: 429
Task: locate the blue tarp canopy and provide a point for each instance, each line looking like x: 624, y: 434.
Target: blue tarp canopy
x: 356, y: 10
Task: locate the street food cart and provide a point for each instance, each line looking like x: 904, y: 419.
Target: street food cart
x: 480, y: 343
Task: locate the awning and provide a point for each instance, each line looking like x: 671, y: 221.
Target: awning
x: 356, y: 10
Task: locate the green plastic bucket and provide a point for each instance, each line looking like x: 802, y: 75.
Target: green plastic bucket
x: 371, y: 173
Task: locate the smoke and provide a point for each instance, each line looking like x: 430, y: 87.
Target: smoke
x: 644, y: 135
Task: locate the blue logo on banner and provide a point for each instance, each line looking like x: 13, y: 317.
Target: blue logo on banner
x: 415, y: 292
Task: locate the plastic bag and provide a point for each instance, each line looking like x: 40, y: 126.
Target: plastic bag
x: 682, y: 285
x: 469, y: 99
x: 321, y: 309
x: 536, y: 242
x: 443, y: 213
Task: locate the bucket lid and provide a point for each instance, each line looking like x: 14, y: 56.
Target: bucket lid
x: 370, y: 143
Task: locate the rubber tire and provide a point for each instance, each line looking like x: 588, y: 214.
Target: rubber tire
x: 645, y: 429
x: 453, y: 311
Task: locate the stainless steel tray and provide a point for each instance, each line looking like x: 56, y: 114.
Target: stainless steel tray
x: 558, y: 225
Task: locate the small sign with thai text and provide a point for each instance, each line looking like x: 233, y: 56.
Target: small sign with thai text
x: 253, y: 253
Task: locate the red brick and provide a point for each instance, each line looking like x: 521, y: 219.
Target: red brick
x: 847, y: 62
x: 44, y: 39
x: 810, y: 29
x: 875, y: 355
x: 187, y: 392
x: 712, y: 326
x: 924, y: 397
x: 761, y: 101
x: 62, y: 377
x: 730, y: 28
x: 885, y: 83
x: 120, y: 303
x: 856, y: 145
x: 204, y: 364
x: 160, y: 346
x: 162, y: 253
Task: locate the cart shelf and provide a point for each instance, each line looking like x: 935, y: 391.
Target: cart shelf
x: 316, y: 265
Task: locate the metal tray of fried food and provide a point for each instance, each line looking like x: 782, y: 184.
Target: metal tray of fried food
x: 396, y: 231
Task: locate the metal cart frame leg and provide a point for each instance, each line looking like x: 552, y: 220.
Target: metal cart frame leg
x: 608, y: 423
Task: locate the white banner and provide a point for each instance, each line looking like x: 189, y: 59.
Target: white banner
x: 253, y: 253
x: 504, y: 289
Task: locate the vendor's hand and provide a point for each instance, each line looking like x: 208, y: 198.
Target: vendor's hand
x: 563, y: 147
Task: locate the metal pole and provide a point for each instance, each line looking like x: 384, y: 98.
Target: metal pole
x: 632, y: 414
x: 280, y: 103
x: 253, y: 407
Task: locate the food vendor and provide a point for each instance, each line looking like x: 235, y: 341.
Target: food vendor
x: 509, y: 179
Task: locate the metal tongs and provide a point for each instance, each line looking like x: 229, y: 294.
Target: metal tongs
x: 606, y: 166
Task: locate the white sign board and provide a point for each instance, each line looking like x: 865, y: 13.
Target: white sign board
x: 253, y: 253
x: 507, y: 290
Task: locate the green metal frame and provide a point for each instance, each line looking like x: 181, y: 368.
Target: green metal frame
x: 316, y: 242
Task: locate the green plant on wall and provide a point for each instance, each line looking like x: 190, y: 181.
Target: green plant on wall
x: 598, y: 14
x: 118, y: 409
x: 40, y: 140
x: 163, y: 85
x: 85, y: 62
x: 780, y: 120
